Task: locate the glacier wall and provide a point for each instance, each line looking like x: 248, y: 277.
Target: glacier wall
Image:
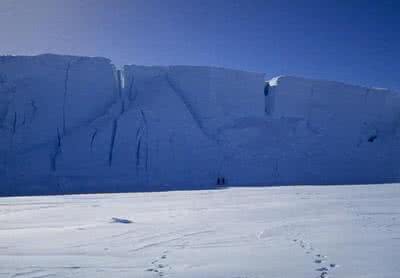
x: 76, y: 124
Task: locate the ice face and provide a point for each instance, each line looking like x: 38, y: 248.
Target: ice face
x: 349, y: 131
x: 45, y: 99
x: 76, y: 124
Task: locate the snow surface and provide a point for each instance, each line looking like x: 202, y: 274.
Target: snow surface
x: 76, y: 124
x: 301, y: 231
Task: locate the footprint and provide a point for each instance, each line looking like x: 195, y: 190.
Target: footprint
x: 323, y: 271
x: 158, y: 267
x: 323, y: 274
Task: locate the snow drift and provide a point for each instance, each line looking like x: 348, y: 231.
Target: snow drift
x: 76, y: 124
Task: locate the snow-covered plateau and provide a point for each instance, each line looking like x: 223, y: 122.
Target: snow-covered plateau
x: 274, y: 232
x: 77, y: 125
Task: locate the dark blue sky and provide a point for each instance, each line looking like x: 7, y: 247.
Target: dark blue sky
x: 352, y: 41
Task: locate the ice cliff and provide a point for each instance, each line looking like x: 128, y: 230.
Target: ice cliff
x: 76, y: 124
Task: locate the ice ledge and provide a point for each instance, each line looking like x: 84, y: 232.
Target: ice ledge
x: 275, y: 81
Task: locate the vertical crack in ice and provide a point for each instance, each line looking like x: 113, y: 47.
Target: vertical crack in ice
x: 15, y: 124
x: 9, y: 93
x: 24, y: 119
x: 92, y: 139
x: 142, y: 132
x: 116, y: 117
x: 138, y: 144
x: 60, y: 135
x: 65, y: 94
x: 139, y: 141
x: 119, y: 83
x: 112, y: 142
x: 146, y: 137
x: 142, y: 145
x: 57, y: 151
x: 132, y: 86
